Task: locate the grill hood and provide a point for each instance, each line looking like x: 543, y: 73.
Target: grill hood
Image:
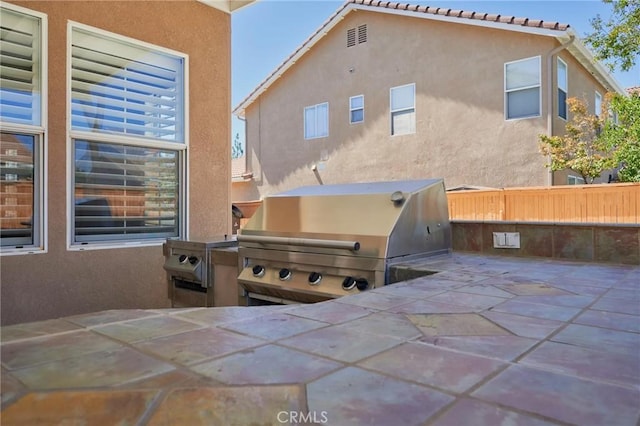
x: 374, y: 220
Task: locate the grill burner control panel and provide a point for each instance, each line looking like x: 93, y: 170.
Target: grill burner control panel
x: 185, y: 266
x: 330, y: 283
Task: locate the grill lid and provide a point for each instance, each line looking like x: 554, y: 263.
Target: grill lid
x: 376, y: 219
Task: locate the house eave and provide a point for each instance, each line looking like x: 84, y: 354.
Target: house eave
x: 227, y: 6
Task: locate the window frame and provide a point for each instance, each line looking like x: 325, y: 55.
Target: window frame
x: 392, y: 111
x: 351, y: 109
x: 180, y: 147
x: 597, y: 103
x: 39, y: 131
x: 538, y: 86
x: 577, y: 180
x: 565, y: 90
x: 304, y: 121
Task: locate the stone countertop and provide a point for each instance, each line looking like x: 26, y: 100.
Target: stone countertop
x: 486, y: 341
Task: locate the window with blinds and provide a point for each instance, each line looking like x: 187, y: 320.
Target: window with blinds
x: 120, y: 88
x: 124, y: 192
x: 127, y: 111
x: 20, y: 68
x: 522, y: 88
x: 21, y: 140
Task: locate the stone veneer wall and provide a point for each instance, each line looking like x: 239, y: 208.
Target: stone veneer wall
x: 612, y: 243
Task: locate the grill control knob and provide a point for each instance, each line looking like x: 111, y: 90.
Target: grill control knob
x: 258, y: 271
x: 193, y: 260
x: 348, y: 284
x: 362, y: 284
x: 183, y: 258
x: 284, y: 274
x: 315, y: 278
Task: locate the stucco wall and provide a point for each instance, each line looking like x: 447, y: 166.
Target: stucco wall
x: 461, y: 133
x: 62, y: 282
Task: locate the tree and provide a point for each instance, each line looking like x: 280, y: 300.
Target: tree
x: 622, y: 136
x: 617, y: 40
x: 582, y: 149
x: 236, y: 147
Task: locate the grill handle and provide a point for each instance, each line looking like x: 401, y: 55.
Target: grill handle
x: 309, y: 242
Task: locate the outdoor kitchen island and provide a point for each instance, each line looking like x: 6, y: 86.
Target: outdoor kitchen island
x: 485, y: 341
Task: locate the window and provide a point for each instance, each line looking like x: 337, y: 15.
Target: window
x: 128, y: 139
x: 522, y: 88
x: 316, y: 121
x: 356, y: 109
x: 562, y: 89
x: 22, y: 96
x: 574, y: 180
x: 403, y: 109
x: 598, y: 104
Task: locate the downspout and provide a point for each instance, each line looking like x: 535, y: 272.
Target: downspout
x: 548, y: 57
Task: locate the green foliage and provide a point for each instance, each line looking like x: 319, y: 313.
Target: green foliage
x: 236, y: 147
x: 617, y: 41
x: 623, y: 137
x: 581, y: 149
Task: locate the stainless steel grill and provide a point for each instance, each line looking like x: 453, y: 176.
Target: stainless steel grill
x: 321, y: 242
x: 191, y: 271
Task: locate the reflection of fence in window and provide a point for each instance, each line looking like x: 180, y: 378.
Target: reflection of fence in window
x: 125, y: 190
x: 17, y: 190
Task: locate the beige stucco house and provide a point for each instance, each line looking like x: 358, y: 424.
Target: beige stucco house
x: 115, y: 129
x: 386, y: 91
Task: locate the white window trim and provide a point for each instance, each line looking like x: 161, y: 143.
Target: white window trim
x: 566, y: 84
x: 40, y: 229
x: 539, y: 86
x: 391, y: 111
x: 304, y: 121
x: 578, y: 180
x: 597, y: 99
x: 355, y: 109
x: 180, y: 147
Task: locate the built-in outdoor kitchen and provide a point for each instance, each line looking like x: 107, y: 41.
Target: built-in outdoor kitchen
x: 314, y: 243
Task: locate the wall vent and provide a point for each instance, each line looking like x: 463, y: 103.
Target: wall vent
x: 351, y: 37
x: 362, y: 33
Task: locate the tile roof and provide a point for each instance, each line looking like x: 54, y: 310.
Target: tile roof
x: 635, y: 89
x: 464, y: 14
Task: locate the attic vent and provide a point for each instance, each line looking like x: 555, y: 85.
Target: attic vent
x: 362, y: 33
x: 351, y: 37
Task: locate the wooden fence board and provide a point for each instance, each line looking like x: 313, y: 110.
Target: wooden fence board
x: 605, y: 203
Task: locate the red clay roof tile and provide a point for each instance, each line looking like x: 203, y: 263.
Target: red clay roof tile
x: 468, y: 14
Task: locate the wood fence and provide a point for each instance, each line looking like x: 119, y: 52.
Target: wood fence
x: 606, y: 203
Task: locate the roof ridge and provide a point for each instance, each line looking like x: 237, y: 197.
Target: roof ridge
x: 468, y: 14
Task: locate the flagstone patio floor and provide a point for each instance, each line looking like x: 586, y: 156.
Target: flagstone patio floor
x: 485, y: 341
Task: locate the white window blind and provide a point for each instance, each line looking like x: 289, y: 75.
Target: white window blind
x: 403, y: 112
x: 356, y: 109
x: 522, y: 88
x: 126, y: 188
x: 316, y: 121
x: 121, y: 88
x: 562, y: 88
x: 124, y: 192
x: 20, y: 62
x: 598, y: 104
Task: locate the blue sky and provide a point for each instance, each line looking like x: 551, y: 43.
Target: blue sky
x: 267, y: 32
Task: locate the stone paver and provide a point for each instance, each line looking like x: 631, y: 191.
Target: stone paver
x: 487, y: 341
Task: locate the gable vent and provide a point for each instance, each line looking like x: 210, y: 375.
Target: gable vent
x: 362, y: 33
x: 351, y: 37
